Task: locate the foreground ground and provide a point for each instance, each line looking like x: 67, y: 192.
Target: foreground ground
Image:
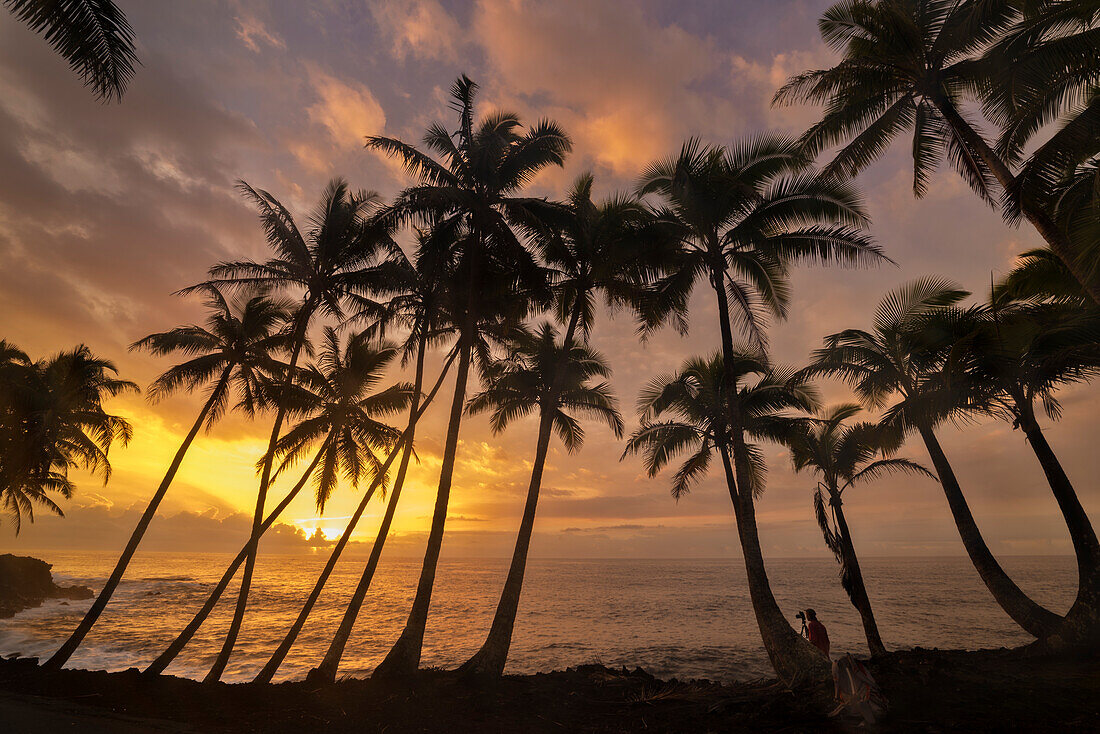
x: 929, y: 691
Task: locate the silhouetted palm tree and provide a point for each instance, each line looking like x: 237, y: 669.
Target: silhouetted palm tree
x: 53, y: 420
x: 689, y: 412
x: 234, y: 350
x: 1012, y: 356
x: 338, y: 402
x: 419, y: 303
x: 844, y: 455
x: 328, y: 263
x: 740, y: 217
x: 474, y: 193
x: 540, y: 375
x: 92, y: 35
x: 910, y: 65
x: 890, y: 362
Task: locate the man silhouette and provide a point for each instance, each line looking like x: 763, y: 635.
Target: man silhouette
x: 816, y: 633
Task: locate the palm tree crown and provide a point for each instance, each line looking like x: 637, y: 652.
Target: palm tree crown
x: 52, y: 419
x: 740, y: 216
x: 341, y: 409
x: 541, y: 375
x: 694, y: 408
x: 242, y: 334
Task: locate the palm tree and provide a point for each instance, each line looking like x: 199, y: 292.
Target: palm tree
x: 472, y: 193
x: 909, y: 65
x: 553, y: 379
x: 688, y: 412
x: 234, y: 351
x: 1012, y: 356
x: 419, y: 303
x: 740, y: 217
x: 890, y: 361
x: 342, y: 412
x: 843, y: 456
x: 92, y: 35
x: 330, y: 262
x: 1041, y: 74
x: 54, y: 421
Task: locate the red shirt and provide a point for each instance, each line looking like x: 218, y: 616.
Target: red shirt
x: 819, y: 638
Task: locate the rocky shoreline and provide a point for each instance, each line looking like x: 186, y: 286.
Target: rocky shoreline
x: 928, y: 691
x: 27, y: 582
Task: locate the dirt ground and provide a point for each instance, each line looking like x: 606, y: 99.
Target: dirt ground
x: 929, y: 691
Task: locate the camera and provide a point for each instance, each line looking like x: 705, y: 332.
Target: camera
x: 801, y: 615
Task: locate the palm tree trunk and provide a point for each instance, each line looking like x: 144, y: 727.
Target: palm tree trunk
x: 794, y: 659
x: 1025, y: 612
x: 404, y: 445
x: 184, y: 637
x: 493, y: 655
x: 63, y: 654
x: 222, y: 660
x: 326, y: 671
x: 860, y: 600
x: 1081, y: 626
x: 1085, y: 545
x: 404, y: 656
x: 1044, y: 225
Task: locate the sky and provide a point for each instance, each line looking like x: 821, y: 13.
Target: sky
x: 107, y: 210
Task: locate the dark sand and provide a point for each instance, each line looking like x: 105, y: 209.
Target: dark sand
x: 929, y: 691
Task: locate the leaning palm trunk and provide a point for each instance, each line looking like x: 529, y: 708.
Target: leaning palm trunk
x: 795, y: 661
x: 63, y: 654
x: 1041, y: 220
x: 184, y: 637
x: 793, y: 658
x: 1082, y: 621
x: 1085, y: 545
x: 854, y: 584
x: 1033, y: 618
x: 326, y: 671
x: 491, y: 658
x: 404, y: 656
x: 404, y: 445
x: 222, y: 660
x: 493, y: 655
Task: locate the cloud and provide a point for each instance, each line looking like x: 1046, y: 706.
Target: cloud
x: 347, y: 109
x: 254, y: 33
x: 422, y: 29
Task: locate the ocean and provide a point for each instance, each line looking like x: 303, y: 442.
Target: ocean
x: 674, y: 618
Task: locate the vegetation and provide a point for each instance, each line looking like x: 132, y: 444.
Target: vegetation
x: 488, y: 261
x: 92, y: 35
x: 845, y: 455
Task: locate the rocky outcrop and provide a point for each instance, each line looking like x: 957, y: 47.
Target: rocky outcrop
x: 26, y: 582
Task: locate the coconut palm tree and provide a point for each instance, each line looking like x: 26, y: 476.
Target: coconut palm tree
x: 553, y: 379
x: 1012, y: 356
x: 338, y: 401
x: 472, y: 192
x: 233, y: 352
x: 334, y: 259
x: 418, y: 304
x: 92, y: 35
x: 891, y: 362
x: 911, y: 65
x: 688, y: 412
x: 54, y: 421
x: 845, y: 455
x: 740, y: 216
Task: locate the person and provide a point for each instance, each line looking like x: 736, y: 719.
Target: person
x: 815, y: 632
